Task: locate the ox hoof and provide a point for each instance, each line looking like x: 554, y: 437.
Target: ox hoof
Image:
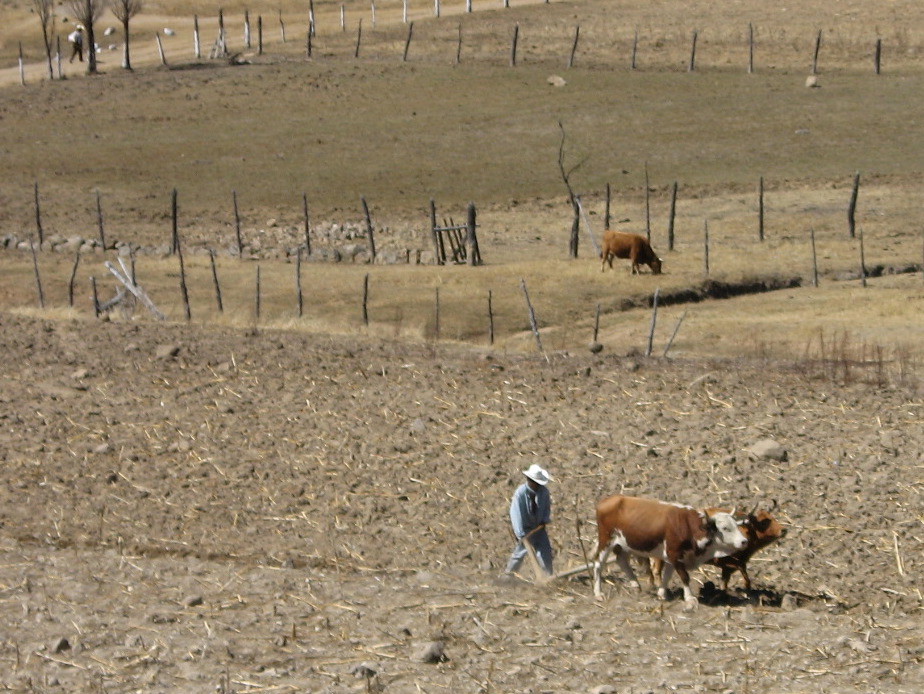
x: 690, y: 605
x: 598, y: 596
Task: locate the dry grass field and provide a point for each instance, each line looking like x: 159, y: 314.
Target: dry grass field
x: 275, y: 502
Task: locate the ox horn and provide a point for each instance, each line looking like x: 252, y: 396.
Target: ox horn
x: 772, y: 506
x: 754, y: 510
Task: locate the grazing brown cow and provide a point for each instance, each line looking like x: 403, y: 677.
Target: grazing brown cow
x: 619, y: 244
x: 759, y: 527
x: 681, y: 536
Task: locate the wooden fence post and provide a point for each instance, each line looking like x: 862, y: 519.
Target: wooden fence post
x: 366, y: 300
x: 38, y: 216
x: 22, y: 67
x: 438, y: 249
x: 852, y: 207
x: 183, y: 287
x: 459, y: 46
x: 647, y: 205
x: 311, y: 24
x: 307, y: 223
x: 706, y: 247
x: 670, y: 222
x: 490, y: 318
x: 877, y: 57
x: 692, y: 66
x: 532, y: 319
x: 222, y: 37
x: 474, y: 252
x: 750, y: 48
x: 257, y: 296
x: 513, y: 45
x: 298, y: 281
x: 58, y: 56
x: 282, y: 24
x: 247, y: 37
x: 70, y: 284
x: 197, y: 44
x: 174, y: 214
x: 99, y: 221
x: 577, y: 34
x: 814, y: 259
x: 407, y: 43
x: 221, y: 307
x: 436, y: 316
x: 308, y: 43
x: 404, y: 11
x: 160, y: 49
x: 862, y: 260
x: 237, y: 226
x: 38, y: 277
x: 342, y: 18
x: 654, y: 320
x: 634, y: 65
x: 760, y: 209
x: 468, y: 6
x: 436, y: 8
x: 815, y: 55
x: 95, y: 298
x: 606, y: 212
x: 369, y: 230
x: 674, y: 334
x: 596, y: 323
x: 359, y: 37
x: 259, y: 34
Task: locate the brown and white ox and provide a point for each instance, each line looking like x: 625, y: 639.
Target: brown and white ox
x: 681, y: 536
x: 619, y: 244
x: 759, y: 527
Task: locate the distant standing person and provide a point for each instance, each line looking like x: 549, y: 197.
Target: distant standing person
x: 530, y: 513
x: 75, y: 38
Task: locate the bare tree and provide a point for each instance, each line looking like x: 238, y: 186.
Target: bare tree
x: 45, y: 10
x: 572, y: 197
x: 124, y: 10
x: 87, y: 12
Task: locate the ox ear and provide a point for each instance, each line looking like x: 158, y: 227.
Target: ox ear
x: 772, y: 506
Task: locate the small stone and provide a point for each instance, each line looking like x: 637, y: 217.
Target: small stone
x: 166, y: 351
x: 103, y: 449
x: 556, y: 81
x: 364, y: 670
x: 812, y: 82
x: 768, y: 449
x: 595, y: 347
x: 61, y: 644
x: 604, y: 689
x: 789, y: 602
x: 193, y: 601
x: 433, y: 652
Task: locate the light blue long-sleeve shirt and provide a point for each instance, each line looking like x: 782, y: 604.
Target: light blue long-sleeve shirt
x: 521, y: 517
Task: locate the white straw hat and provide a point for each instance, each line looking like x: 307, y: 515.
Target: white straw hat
x: 538, y: 475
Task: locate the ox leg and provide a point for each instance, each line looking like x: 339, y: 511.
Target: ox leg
x: 688, y: 597
x: 667, y: 570
x: 622, y: 558
x: 602, y: 556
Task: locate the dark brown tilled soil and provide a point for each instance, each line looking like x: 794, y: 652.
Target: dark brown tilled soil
x: 196, y: 510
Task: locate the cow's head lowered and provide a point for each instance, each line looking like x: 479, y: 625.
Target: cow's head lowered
x: 725, y: 534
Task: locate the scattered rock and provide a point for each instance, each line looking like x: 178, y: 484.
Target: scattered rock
x: 789, y: 602
x: 604, y: 689
x: 193, y: 601
x: 166, y: 352
x: 60, y: 645
x: 812, y: 82
x: 364, y: 670
x: 768, y: 449
x: 596, y: 347
x: 433, y: 652
x: 103, y: 448
x: 556, y: 81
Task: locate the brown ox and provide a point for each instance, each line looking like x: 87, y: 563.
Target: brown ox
x: 619, y: 244
x: 759, y: 527
x: 681, y: 536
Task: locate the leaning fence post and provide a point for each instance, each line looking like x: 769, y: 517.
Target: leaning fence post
x: 70, y: 284
x: 221, y: 307
x: 852, y: 207
x: 459, y: 45
x: 183, y: 287
x: 750, y: 48
x: 174, y: 235
x: 282, y: 24
x: 160, y: 49
x: 532, y: 319
x: 436, y: 316
x: 99, y: 221
x: 257, y: 297
x: 197, y: 44
x: 596, y: 322
x: 407, y: 43
x: 654, y: 320
x: 815, y: 55
x: 95, y: 298
x: 633, y: 65
x: 307, y: 223
x: 311, y: 27
x: 359, y: 37
x: 369, y: 230
x: 706, y: 247
x: 38, y: 277
x: 437, y: 238
x: 22, y: 67
x: 474, y: 253
x: 577, y: 34
x: 862, y: 260
x: 247, y: 37
x: 692, y: 66
x: 878, y: 56
x: 674, y: 334
x: 647, y: 205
